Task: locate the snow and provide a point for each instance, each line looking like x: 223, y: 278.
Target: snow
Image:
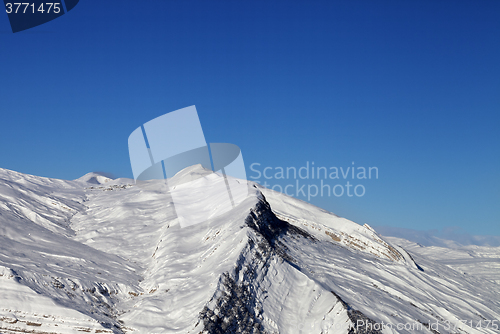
x: 94, y: 178
x: 480, y: 261
x: 22, y: 309
x: 103, y: 255
x: 446, y: 238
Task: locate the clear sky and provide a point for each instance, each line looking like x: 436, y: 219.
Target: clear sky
x: 410, y: 87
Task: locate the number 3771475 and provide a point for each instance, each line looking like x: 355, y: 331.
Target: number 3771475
x: 32, y: 8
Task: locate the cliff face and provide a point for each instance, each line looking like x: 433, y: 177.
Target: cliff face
x: 266, y: 292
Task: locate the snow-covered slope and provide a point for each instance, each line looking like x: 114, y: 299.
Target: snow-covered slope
x: 452, y: 237
x: 480, y: 261
x: 101, y: 255
x: 94, y: 178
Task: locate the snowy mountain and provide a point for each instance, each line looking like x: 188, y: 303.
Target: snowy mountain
x: 447, y: 238
x: 107, y: 256
x: 95, y: 178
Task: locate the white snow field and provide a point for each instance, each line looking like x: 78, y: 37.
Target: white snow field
x: 99, y: 255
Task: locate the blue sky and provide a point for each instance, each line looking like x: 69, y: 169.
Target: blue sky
x: 411, y: 87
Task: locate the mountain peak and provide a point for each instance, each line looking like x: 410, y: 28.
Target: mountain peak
x: 94, y: 178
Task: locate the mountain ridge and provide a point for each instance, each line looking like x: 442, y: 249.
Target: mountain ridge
x: 116, y: 255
